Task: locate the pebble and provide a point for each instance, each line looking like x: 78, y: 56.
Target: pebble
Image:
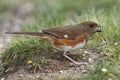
x: 84, y: 71
x: 37, y: 76
x: 61, y: 71
x: 86, y: 52
x: 20, y: 75
x: 90, y: 60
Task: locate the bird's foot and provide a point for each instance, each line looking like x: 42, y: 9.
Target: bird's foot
x: 73, y: 61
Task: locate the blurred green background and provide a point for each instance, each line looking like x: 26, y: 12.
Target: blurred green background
x: 47, y: 11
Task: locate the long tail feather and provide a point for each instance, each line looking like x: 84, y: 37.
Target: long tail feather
x: 28, y: 33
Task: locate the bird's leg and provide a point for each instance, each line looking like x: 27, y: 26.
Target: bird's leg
x: 73, y: 61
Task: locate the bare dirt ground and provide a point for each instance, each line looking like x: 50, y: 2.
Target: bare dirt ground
x: 56, y: 69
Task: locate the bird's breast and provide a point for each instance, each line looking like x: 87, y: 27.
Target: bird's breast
x: 75, y: 47
x: 68, y: 45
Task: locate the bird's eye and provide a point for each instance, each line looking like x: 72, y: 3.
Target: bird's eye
x: 91, y: 26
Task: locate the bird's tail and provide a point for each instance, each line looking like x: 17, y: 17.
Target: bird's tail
x: 28, y: 33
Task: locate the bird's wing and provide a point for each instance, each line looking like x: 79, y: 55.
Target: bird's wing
x: 62, y: 32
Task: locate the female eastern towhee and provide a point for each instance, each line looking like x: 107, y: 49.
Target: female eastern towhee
x: 67, y: 38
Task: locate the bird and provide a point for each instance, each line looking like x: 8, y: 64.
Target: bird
x: 67, y: 38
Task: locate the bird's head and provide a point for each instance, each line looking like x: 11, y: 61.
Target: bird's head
x: 91, y: 27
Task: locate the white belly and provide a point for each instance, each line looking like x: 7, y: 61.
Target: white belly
x: 69, y: 48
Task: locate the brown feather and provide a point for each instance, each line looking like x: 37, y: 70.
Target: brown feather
x: 69, y: 42
x: 28, y: 33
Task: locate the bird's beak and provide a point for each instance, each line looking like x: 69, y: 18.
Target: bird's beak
x: 98, y: 28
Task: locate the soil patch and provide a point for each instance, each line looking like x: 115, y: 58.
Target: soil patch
x: 53, y: 69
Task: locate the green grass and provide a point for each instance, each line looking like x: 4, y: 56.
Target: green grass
x: 66, y: 12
